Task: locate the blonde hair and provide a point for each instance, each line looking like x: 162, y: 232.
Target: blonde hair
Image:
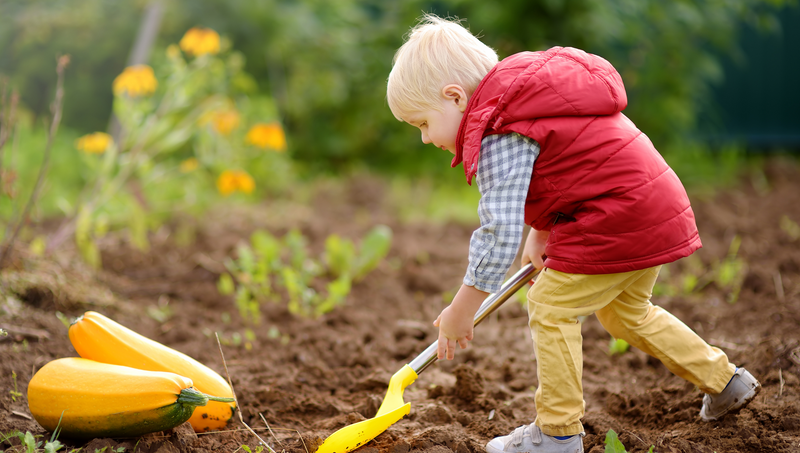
x: 438, y: 52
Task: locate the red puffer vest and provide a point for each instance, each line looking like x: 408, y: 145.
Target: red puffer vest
x: 610, y: 201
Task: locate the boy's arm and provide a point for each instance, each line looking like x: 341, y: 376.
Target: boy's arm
x: 456, y: 321
x: 504, y: 172
x: 504, y: 175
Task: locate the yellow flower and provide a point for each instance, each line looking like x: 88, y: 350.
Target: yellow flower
x: 95, y: 143
x: 246, y: 182
x: 267, y: 136
x: 225, y: 121
x: 189, y: 165
x: 232, y: 180
x: 200, y: 41
x: 138, y: 80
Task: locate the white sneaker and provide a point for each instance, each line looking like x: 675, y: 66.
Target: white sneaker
x: 741, y: 389
x: 530, y: 439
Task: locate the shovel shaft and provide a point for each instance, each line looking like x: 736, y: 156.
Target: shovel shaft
x: 511, y: 286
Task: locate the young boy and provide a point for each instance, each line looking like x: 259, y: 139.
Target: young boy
x: 544, y: 136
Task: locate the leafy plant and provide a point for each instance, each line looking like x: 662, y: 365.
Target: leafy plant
x: 790, y: 227
x: 269, y: 268
x: 343, y: 259
x: 373, y: 249
x: 729, y: 273
x: 613, y: 444
x: 617, y: 346
x: 14, y: 393
x: 31, y: 445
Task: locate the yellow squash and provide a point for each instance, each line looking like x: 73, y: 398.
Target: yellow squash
x: 99, y: 338
x: 85, y: 399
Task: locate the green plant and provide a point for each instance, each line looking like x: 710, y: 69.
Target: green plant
x: 63, y: 318
x: 112, y: 450
x: 617, y: 346
x: 31, y: 445
x: 790, y: 227
x: 729, y: 273
x: 258, y: 449
x: 613, y: 444
x: 692, y: 277
x: 311, y: 286
x: 14, y: 393
x: 344, y: 260
x: 162, y: 312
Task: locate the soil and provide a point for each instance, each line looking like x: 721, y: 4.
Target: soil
x: 307, y: 378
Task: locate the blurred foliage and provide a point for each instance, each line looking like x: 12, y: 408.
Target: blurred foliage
x: 667, y: 52
x: 96, y: 33
x: 691, y: 276
x: 325, y: 62
x: 20, y: 169
x: 191, y: 125
x: 193, y: 132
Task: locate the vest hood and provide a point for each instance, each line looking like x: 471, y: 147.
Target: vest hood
x: 558, y: 82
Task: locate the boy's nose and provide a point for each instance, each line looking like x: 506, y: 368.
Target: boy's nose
x: 425, y: 139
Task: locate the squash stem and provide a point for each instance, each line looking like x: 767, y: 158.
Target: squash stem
x: 191, y: 397
x: 220, y: 399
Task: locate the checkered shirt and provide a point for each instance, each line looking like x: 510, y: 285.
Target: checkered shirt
x: 504, y: 174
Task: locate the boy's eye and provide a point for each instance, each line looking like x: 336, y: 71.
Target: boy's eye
x: 423, y: 124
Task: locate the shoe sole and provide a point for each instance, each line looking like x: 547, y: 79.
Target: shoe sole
x: 734, y: 408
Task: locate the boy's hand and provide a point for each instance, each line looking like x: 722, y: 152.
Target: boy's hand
x: 456, y: 321
x: 533, y: 252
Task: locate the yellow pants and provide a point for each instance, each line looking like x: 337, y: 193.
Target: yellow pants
x: 622, y: 304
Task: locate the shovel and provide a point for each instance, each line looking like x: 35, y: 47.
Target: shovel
x: 393, y: 408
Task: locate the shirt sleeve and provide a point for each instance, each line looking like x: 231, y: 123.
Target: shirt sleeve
x: 504, y: 174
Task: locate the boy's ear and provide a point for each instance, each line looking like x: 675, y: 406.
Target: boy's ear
x: 456, y: 93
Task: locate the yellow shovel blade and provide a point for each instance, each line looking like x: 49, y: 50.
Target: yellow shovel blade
x: 392, y: 409
x: 355, y: 435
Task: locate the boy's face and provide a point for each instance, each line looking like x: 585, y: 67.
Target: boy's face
x: 441, y: 127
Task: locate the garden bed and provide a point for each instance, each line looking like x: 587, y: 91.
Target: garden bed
x: 310, y: 377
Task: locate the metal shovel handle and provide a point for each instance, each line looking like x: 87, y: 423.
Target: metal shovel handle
x: 511, y: 286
